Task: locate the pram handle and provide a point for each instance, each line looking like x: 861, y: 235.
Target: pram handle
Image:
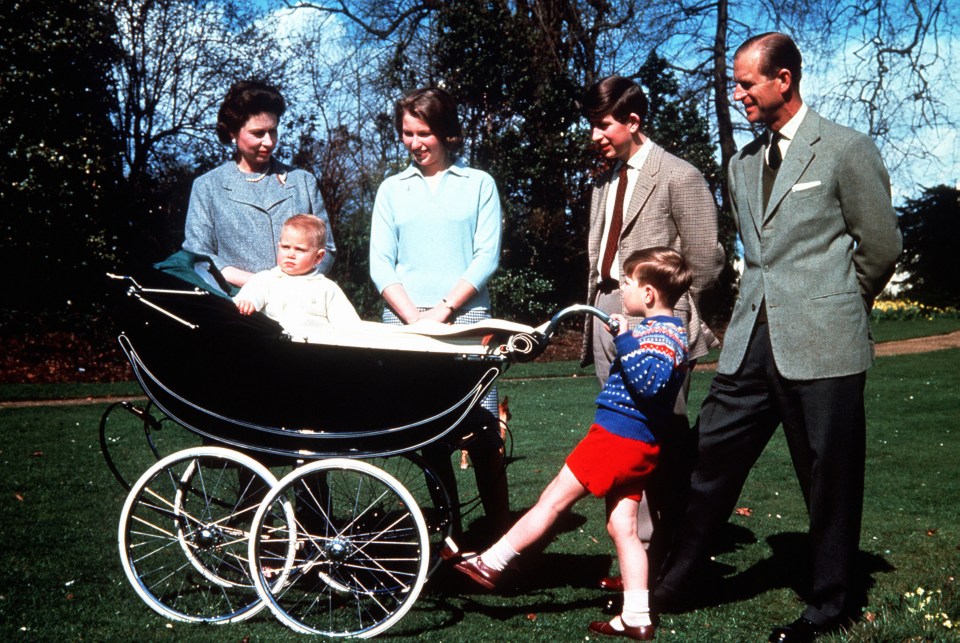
x: 577, y: 309
x: 525, y: 347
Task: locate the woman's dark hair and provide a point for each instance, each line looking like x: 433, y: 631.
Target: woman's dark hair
x: 617, y: 96
x: 438, y: 110
x: 244, y: 99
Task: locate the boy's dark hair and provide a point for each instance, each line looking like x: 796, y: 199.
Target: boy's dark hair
x: 777, y: 51
x: 617, y: 96
x: 438, y: 110
x: 309, y: 224
x: 244, y: 99
x: 663, y: 268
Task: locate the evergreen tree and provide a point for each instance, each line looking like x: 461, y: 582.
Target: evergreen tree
x: 60, y: 168
x: 931, y: 225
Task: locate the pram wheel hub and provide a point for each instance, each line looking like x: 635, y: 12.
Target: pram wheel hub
x: 336, y: 550
x: 208, y: 538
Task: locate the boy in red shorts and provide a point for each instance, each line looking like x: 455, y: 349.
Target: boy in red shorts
x: 620, y: 451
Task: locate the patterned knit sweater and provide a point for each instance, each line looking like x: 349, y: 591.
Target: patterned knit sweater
x: 639, y: 396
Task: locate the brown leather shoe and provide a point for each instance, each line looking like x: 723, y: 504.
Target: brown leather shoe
x: 637, y: 633
x: 480, y: 573
x: 612, y: 583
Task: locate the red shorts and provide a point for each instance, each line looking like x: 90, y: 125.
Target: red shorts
x: 604, y: 462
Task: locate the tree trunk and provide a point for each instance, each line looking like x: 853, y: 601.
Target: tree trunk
x: 722, y: 99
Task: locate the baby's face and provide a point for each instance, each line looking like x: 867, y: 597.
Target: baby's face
x: 297, y: 252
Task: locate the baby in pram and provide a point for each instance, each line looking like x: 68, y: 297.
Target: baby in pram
x: 295, y: 293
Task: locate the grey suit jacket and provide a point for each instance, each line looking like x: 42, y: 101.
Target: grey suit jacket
x: 671, y: 206
x: 818, y: 255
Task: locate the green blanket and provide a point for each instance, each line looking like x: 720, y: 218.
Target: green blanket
x: 197, y: 270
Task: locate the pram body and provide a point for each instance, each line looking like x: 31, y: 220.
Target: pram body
x: 242, y: 382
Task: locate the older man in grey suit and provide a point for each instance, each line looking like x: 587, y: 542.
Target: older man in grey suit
x: 820, y: 240
x: 650, y: 198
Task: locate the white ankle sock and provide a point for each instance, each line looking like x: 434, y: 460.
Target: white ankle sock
x: 636, y: 608
x: 499, y: 556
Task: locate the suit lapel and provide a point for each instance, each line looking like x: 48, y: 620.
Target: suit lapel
x: 646, y: 181
x: 799, y: 156
x: 749, y: 182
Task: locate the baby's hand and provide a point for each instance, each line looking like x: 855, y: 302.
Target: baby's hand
x: 245, y: 307
x: 620, y: 319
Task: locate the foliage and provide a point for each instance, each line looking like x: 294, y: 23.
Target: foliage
x: 522, y: 295
x: 930, y: 225
x: 906, y: 310
x: 61, y: 182
x: 519, y: 94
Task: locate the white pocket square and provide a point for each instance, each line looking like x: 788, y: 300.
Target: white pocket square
x: 797, y: 187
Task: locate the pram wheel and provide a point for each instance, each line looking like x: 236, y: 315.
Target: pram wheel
x: 184, y: 530
x: 361, y: 549
x: 430, y: 494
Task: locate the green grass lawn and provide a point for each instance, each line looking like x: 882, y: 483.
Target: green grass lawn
x: 61, y: 579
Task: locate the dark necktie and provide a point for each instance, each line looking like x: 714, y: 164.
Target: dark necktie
x: 773, y: 154
x: 616, y: 225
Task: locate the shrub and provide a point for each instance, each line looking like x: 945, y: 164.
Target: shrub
x: 906, y: 310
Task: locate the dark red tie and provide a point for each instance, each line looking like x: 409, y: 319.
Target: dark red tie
x: 616, y: 225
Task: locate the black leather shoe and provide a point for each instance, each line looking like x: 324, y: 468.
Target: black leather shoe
x: 478, y: 572
x: 638, y: 633
x: 612, y: 583
x: 800, y: 631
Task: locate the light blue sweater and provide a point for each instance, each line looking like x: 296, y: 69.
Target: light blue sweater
x: 427, y: 241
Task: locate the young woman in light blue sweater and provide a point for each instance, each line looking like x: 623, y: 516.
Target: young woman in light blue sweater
x: 434, y: 244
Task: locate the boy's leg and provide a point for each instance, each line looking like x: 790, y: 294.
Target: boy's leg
x: 559, y: 496
x: 631, y: 554
x: 634, y: 622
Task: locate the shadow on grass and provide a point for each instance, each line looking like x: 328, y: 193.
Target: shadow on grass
x: 546, y: 583
x: 787, y: 568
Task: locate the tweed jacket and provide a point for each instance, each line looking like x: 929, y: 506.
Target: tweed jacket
x: 817, y: 255
x: 237, y: 222
x: 671, y: 206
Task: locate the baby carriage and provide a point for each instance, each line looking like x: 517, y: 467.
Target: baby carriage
x: 338, y: 545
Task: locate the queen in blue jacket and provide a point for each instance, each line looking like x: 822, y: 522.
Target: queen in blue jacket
x: 236, y: 210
